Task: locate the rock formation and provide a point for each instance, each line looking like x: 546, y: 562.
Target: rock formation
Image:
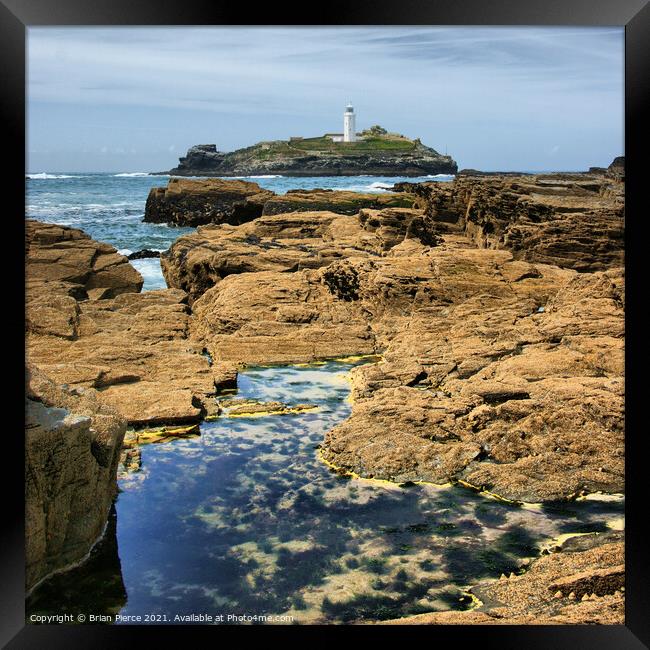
x: 495, y: 302
x: 194, y: 202
x: 286, y: 242
x: 339, y: 201
x: 582, y: 584
x: 72, y: 448
x: 81, y: 266
x: 516, y: 388
x: 383, y: 155
x: 143, y: 254
x: 217, y: 201
x: 496, y: 371
x: 100, y: 356
x: 132, y: 349
x: 570, y: 220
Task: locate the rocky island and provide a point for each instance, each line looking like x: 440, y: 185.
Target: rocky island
x: 495, y: 305
x: 378, y: 153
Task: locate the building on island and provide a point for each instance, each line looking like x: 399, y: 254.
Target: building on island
x: 349, y: 127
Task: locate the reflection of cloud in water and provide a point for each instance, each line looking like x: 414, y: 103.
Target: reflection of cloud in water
x: 247, y: 519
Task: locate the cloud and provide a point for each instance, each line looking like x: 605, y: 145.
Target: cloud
x: 459, y: 86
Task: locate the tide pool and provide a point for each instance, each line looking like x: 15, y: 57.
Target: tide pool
x: 245, y: 520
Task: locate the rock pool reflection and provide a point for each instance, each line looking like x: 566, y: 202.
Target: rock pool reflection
x: 245, y: 519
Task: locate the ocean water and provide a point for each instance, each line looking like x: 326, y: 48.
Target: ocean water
x: 245, y: 520
x: 110, y: 207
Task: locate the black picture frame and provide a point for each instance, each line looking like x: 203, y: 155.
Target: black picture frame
x: 17, y: 15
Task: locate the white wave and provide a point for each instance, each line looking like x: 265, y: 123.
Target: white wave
x: 244, y: 177
x: 125, y: 251
x: 132, y: 174
x: 46, y: 176
x: 151, y: 273
x: 373, y: 188
x: 441, y: 176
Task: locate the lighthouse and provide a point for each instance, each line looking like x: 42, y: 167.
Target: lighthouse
x: 349, y: 131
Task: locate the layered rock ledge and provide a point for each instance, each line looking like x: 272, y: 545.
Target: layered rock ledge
x: 133, y: 349
x: 496, y: 371
x: 570, y: 220
x: 82, y: 267
x: 217, y: 201
x: 100, y: 356
x: 285, y: 243
x: 196, y: 202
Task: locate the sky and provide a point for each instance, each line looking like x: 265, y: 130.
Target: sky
x: 128, y: 99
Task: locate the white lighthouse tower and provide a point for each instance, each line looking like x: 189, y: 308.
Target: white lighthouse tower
x: 349, y: 130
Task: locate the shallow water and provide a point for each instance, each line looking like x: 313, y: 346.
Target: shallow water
x: 246, y: 520
x: 110, y: 207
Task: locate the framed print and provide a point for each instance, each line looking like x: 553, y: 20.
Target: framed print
x: 325, y: 322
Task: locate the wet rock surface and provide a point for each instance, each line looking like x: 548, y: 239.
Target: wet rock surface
x: 582, y: 584
x: 145, y: 253
x: 266, y: 526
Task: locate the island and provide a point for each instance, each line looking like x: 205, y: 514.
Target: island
x: 373, y: 151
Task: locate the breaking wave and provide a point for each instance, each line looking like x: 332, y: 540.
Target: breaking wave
x: 46, y: 176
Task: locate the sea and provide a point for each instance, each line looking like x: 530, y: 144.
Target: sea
x: 110, y: 206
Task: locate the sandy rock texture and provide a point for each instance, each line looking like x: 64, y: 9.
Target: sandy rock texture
x: 284, y: 243
x: 496, y: 392
x: 132, y: 349
x: 569, y: 220
x: 581, y: 584
x: 72, y: 449
x: 339, y: 201
x: 500, y: 372
x: 81, y: 266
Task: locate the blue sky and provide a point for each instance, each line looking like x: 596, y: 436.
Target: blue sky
x: 508, y: 98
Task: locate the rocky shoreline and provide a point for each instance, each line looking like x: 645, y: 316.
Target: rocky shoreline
x: 495, y: 302
x: 580, y: 582
x: 217, y: 201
